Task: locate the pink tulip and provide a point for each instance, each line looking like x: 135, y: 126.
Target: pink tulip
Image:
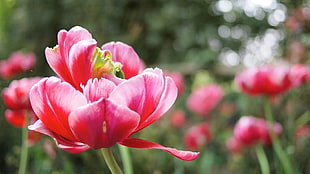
x: 204, y: 99
x: 264, y: 80
x: 250, y: 130
x: 197, y: 136
x: 246, y: 130
x: 299, y: 74
x: 265, y: 132
x: 16, y: 118
x: 18, y: 62
x: 16, y: 95
x: 105, y: 113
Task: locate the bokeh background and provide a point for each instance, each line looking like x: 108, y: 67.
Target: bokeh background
x: 207, y: 41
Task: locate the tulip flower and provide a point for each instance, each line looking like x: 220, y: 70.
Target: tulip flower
x: 18, y: 62
x: 16, y: 95
x: 250, y: 130
x: 265, y: 80
x: 16, y: 98
x: 204, y: 99
x: 300, y: 74
x: 104, y: 113
x: 246, y: 130
x: 16, y: 118
x: 76, y: 58
x: 197, y: 136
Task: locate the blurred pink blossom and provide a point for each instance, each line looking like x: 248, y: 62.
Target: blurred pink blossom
x: 197, y: 136
x: 264, y: 80
x: 18, y: 62
x: 204, y: 99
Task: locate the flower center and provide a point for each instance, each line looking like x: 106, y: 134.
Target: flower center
x: 102, y: 64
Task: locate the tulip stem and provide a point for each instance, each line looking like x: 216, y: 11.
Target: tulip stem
x: 24, y: 151
x: 262, y: 159
x: 125, y: 154
x: 283, y: 158
x: 110, y: 160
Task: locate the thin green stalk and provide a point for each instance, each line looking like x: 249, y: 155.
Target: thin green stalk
x: 125, y: 155
x: 283, y: 158
x: 110, y: 160
x: 262, y: 159
x: 24, y: 152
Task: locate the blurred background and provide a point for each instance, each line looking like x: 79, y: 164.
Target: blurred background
x: 206, y: 41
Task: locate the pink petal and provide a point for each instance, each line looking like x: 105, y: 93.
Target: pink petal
x: 125, y: 54
x: 63, y: 143
x: 58, y: 64
x: 102, y: 124
x: 67, y: 39
x: 149, y: 94
x: 80, y: 61
x: 52, y: 101
x: 98, y: 88
x: 143, y: 144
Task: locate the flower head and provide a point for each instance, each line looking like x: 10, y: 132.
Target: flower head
x: 105, y: 112
x: 18, y: 62
x: 250, y: 130
x: 265, y: 80
x: 197, y: 136
x: 16, y: 95
x: 205, y: 99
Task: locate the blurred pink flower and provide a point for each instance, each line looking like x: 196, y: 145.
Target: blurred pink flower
x: 18, y: 62
x: 16, y: 118
x: 246, y: 130
x: 16, y: 95
x: 300, y: 74
x: 178, y: 119
x: 265, y: 80
x: 105, y: 113
x: 265, y: 132
x: 178, y: 79
x: 197, y: 136
x: 16, y: 98
x: 250, y: 130
x: 204, y: 99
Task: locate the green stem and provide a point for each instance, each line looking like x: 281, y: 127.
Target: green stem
x: 24, y: 151
x: 262, y: 159
x: 284, y: 160
x: 110, y: 160
x: 125, y: 154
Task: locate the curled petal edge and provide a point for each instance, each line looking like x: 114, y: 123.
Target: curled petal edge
x: 61, y: 142
x: 143, y: 144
